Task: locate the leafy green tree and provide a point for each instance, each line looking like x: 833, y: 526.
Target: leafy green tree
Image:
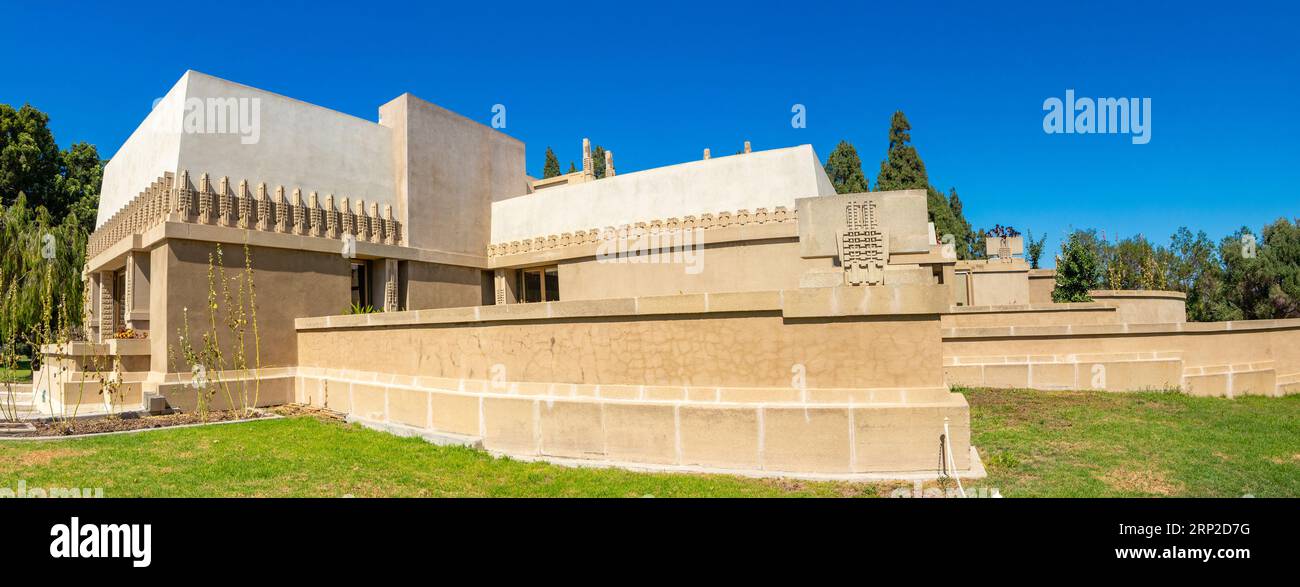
x: 1077, y: 269
x: 1262, y: 275
x: 30, y: 161
x: 572, y: 168
x: 902, y: 169
x: 1034, y: 248
x: 1133, y: 263
x: 38, y: 254
x: 1194, y: 269
x: 552, y: 166
x: 844, y: 168
x: 63, y: 182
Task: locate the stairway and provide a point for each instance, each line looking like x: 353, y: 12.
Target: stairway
x: 20, y: 405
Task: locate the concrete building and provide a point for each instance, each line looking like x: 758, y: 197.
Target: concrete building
x: 731, y: 313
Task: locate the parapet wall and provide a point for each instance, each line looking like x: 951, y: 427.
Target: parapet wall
x: 1201, y: 358
x: 836, y: 381
x: 1144, y: 306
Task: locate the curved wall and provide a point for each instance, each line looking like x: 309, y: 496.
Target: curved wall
x: 1145, y: 306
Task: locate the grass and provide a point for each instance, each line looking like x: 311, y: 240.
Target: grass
x: 303, y: 456
x: 1098, y: 444
x: 22, y: 374
x: 1034, y: 443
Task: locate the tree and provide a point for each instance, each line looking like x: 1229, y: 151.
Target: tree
x: 62, y: 182
x: 572, y: 168
x: 37, y: 253
x: 1077, y: 268
x: 552, y: 166
x: 845, y: 170
x: 48, y: 202
x: 902, y: 169
x: 83, y: 175
x: 598, y: 161
x: 30, y: 161
x: 1034, y: 248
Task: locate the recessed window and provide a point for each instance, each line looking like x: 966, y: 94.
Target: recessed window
x: 360, y: 284
x: 538, y: 284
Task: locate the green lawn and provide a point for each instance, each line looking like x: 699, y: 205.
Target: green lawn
x: 23, y: 373
x: 1034, y: 443
x: 1076, y: 443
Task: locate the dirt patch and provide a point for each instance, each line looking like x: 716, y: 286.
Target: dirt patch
x: 291, y: 410
x: 40, y: 458
x: 1139, y: 481
x: 119, y: 423
x: 1295, y: 459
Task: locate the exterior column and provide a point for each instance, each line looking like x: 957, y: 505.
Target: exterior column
x: 107, y: 317
x: 90, y: 303
x: 390, y: 285
x: 128, y: 297
x: 499, y: 282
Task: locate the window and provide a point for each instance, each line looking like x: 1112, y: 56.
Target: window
x: 119, y: 298
x: 360, y: 284
x: 538, y: 284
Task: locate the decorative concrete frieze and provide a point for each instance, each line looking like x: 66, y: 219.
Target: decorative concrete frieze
x: 176, y: 199
x: 706, y: 221
x: 282, y: 222
x: 390, y: 234
x: 347, y: 218
x: 207, y: 200
x: 863, y: 244
x: 376, y: 224
x: 303, y: 218
x: 147, y: 209
x: 263, y: 208
x: 225, y: 207
x: 245, y: 206
x: 331, y: 218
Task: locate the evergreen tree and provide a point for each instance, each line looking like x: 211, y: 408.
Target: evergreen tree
x: 598, y: 161
x: 902, y: 169
x: 845, y: 170
x: 572, y: 168
x: 1077, y: 269
x: 552, y: 166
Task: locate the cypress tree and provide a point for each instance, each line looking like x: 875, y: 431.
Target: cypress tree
x: 552, y: 166
x: 844, y: 168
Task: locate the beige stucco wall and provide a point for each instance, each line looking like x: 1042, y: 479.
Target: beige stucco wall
x: 719, y: 382
x: 290, y: 284
x: 296, y: 145
x: 743, y: 266
x: 151, y: 150
x: 1145, y: 307
x: 432, y: 285
x: 730, y: 350
x: 1030, y: 315
x: 762, y: 179
x: 1209, y: 358
x: 449, y: 171
x: 995, y: 287
x: 1041, y: 284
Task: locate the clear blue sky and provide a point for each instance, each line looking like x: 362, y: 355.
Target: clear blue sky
x: 659, y: 83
